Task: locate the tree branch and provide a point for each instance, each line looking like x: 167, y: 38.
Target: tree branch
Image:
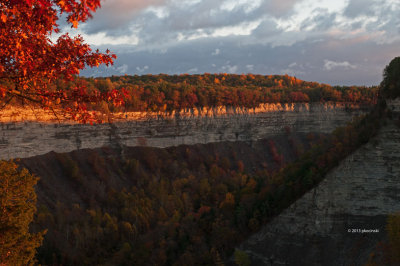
x: 7, y: 102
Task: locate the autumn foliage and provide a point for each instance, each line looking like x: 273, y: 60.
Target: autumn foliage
x: 165, y: 93
x: 184, y: 205
x: 30, y: 61
x: 17, y: 207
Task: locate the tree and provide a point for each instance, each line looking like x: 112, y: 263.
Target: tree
x: 393, y: 232
x: 390, y: 85
x: 30, y: 61
x: 17, y: 207
x: 241, y: 258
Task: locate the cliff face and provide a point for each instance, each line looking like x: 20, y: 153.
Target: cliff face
x: 24, y: 134
x: 341, y: 220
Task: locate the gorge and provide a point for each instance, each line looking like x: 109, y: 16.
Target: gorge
x: 340, y: 221
x: 25, y: 133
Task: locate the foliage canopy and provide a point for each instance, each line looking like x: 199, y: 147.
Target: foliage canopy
x: 17, y: 207
x: 30, y: 60
x: 390, y: 85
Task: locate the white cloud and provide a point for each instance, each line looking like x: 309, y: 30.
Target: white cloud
x: 244, y: 28
x: 230, y: 69
x: 193, y: 70
x: 101, y: 38
x: 216, y: 52
x: 330, y: 65
x: 123, y: 69
x: 248, y: 6
x: 250, y: 67
x: 142, y: 69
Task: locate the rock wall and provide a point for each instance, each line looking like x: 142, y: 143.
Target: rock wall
x: 24, y: 134
x: 341, y: 220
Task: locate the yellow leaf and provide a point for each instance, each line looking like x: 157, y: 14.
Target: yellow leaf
x: 75, y: 24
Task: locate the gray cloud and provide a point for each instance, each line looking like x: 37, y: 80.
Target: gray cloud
x: 278, y: 8
x: 361, y: 7
x: 347, y: 47
x: 336, y: 62
x: 267, y: 29
x: 320, y: 20
x: 126, y: 16
x: 386, y: 14
x: 114, y: 17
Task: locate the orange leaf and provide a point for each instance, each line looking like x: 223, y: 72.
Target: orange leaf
x: 3, y: 18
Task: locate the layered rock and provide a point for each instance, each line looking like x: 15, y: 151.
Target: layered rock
x: 24, y: 133
x: 340, y: 221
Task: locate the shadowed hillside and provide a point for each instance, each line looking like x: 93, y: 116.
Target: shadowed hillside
x: 180, y: 205
x: 147, y: 205
x: 340, y: 221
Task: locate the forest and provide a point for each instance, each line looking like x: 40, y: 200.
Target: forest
x: 165, y: 93
x: 160, y: 93
x: 185, y: 205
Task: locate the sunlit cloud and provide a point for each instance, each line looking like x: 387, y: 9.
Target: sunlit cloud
x: 324, y: 37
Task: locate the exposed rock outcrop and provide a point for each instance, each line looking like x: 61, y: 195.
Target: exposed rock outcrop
x: 340, y: 221
x: 25, y: 134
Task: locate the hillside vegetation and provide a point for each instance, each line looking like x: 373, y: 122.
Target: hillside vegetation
x: 160, y: 93
x: 185, y: 205
x: 145, y: 206
x: 182, y: 205
x: 167, y: 93
x: 190, y: 204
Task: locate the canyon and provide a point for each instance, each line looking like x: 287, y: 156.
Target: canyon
x: 340, y: 221
x: 25, y: 133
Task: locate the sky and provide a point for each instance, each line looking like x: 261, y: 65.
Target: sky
x: 338, y: 42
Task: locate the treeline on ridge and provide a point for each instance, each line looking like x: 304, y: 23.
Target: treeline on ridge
x: 173, y: 92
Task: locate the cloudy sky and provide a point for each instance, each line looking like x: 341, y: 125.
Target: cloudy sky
x: 339, y: 42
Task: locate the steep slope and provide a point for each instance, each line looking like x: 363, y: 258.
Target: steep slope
x: 327, y: 225
x: 171, y: 205
x: 191, y: 126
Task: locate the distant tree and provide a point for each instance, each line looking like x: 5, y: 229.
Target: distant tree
x: 17, y: 207
x: 390, y: 85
